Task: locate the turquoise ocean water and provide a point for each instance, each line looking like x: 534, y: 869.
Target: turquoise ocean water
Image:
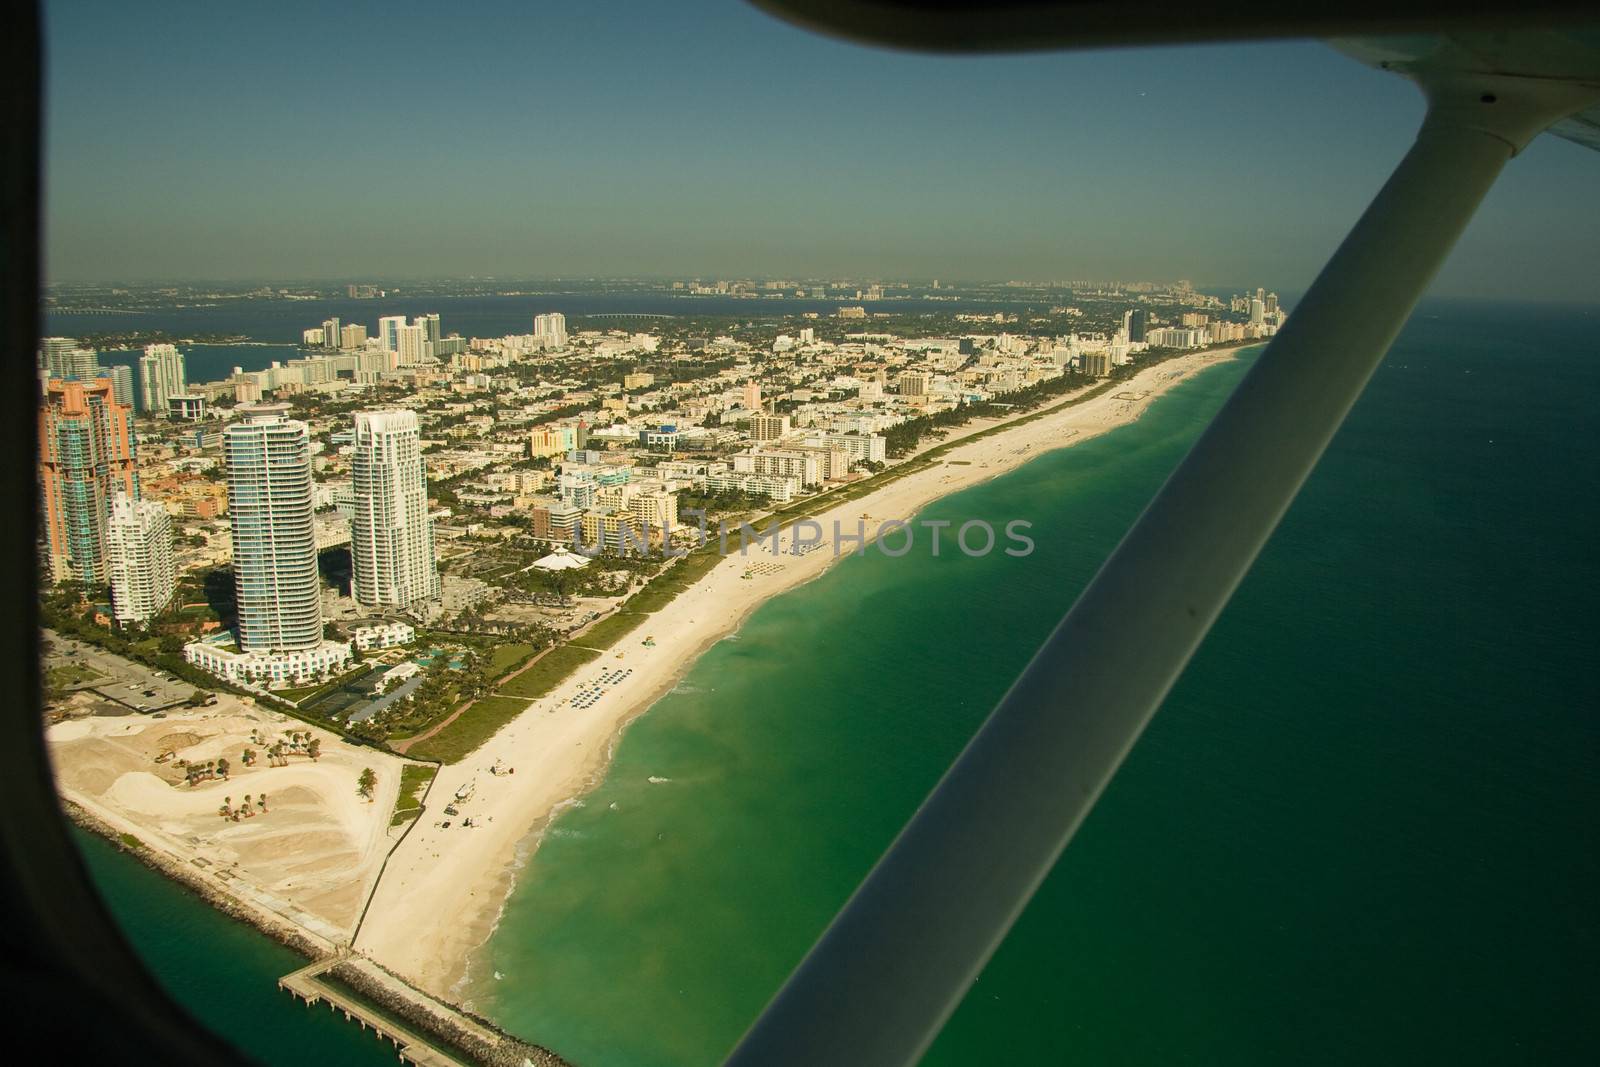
x: 1360, y: 830
x: 223, y: 971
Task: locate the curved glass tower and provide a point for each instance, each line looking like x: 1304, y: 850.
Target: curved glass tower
x: 391, y: 536
x: 274, y: 544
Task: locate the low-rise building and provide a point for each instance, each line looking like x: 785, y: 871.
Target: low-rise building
x: 382, y: 635
x: 220, y: 656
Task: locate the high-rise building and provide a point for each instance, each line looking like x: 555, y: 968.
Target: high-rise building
x: 389, y: 328
x: 391, y: 535
x: 1258, y: 311
x: 413, y: 347
x: 162, y: 375
x: 121, y: 383
x: 915, y: 383
x: 87, y: 451
x: 430, y: 326
x: 551, y: 330
x: 752, y: 395
x: 53, y: 350
x: 769, y: 427
x: 330, y: 333
x: 63, y: 358
x: 139, y: 554
x: 352, y: 336
x: 275, y: 576
x: 1138, y: 324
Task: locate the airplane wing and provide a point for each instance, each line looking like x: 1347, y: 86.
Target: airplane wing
x: 1569, y: 53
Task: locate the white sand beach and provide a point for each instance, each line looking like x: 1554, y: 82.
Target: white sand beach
x: 444, y: 888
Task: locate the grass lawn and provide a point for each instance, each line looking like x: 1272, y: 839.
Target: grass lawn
x: 414, y: 778
x: 71, y: 674
x: 471, y: 729
x: 609, y: 631
x: 543, y: 676
x: 506, y: 657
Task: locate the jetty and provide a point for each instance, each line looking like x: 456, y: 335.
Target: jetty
x: 424, y: 1030
x: 307, y: 985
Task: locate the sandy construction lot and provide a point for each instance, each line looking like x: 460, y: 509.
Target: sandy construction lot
x: 310, y: 857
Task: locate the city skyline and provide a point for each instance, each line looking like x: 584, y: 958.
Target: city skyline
x: 685, y: 156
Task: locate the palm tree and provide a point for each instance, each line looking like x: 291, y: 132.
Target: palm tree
x: 314, y: 749
x: 222, y: 767
x: 366, y: 783
x: 262, y: 801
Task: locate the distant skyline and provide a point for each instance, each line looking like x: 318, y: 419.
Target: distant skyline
x: 612, y: 139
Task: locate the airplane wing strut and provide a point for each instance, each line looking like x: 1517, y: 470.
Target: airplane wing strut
x: 898, y: 959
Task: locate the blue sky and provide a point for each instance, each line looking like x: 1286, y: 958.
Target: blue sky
x: 366, y: 140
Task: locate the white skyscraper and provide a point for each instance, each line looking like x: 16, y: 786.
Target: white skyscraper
x: 274, y: 543
x: 121, y: 383
x: 551, y: 329
x: 162, y: 374
x: 52, y: 351
x: 275, y: 581
x: 139, y: 554
x: 413, y: 346
x: 389, y: 328
x: 64, y: 359
x: 391, y: 535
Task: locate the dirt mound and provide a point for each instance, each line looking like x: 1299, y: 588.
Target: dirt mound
x: 178, y: 740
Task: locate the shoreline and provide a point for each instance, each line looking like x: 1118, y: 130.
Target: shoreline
x: 560, y: 752
x: 455, y: 1026
x: 289, y: 935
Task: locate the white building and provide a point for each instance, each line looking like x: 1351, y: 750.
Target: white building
x: 162, y: 375
x: 391, y: 534
x: 804, y: 467
x: 139, y: 551
x: 382, y: 635
x: 413, y: 345
x: 219, y: 656
x: 400, y: 672
x: 869, y: 448
x: 276, y: 585
x: 389, y: 328
x: 561, y: 560
x: 550, y: 330
x: 776, y: 489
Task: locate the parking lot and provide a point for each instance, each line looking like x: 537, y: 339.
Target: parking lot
x: 122, y: 681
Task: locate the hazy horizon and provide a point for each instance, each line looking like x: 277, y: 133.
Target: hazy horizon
x: 404, y: 142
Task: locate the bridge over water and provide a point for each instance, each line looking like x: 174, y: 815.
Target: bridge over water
x: 625, y: 315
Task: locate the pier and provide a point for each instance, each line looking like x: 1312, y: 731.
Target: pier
x: 411, y: 1047
x: 424, y: 1030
